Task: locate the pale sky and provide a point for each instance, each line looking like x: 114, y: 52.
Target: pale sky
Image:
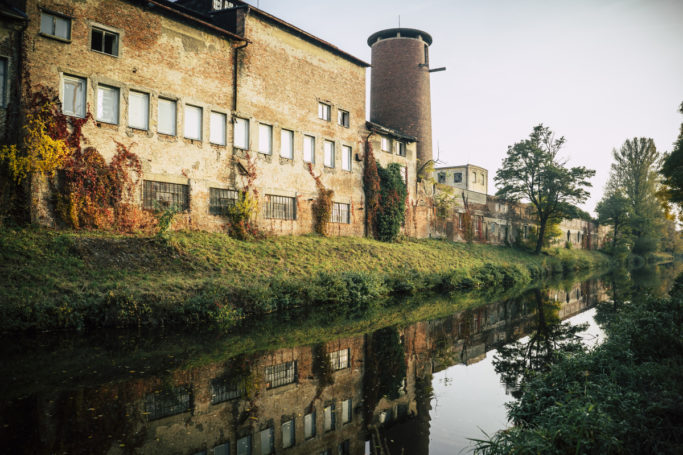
x: 595, y: 71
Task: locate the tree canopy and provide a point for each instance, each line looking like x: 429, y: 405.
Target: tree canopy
x: 672, y: 169
x: 532, y: 171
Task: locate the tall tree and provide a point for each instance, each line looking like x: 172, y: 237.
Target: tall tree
x: 532, y: 171
x: 614, y: 210
x: 672, y: 169
x: 634, y: 173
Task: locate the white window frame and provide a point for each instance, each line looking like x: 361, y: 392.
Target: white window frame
x: 347, y: 153
x: 287, y: 144
x: 386, y: 144
x: 135, y: 94
x: 328, y: 153
x: 218, y: 130
x: 265, y: 138
x: 187, y: 133
x: 324, y: 111
x: 240, y: 138
x: 83, y: 83
x: 343, y: 118
x: 101, y: 90
x: 400, y: 148
x: 53, y: 32
x: 105, y: 32
x: 174, y: 121
x: 308, y: 139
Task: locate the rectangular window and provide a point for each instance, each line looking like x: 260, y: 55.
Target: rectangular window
x: 442, y: 177
x: 193, y: 122
x: 220, y: 199
x: 108, y: 104
x: 167, y: 403
x: 73, y: 91
x: 104, y: 41
x: 309, y: 149
x: 324, y: 111
x: 241, y: 133
x: 329, y: 420
x: 457, y: 177
x: 265, y: 139
x: 344, y: 448
x: 346, y: 157
x: 267, y: 441
x: 328, y: 157
x: 340, y: 213
x: 217, y: 122
x: 3, y: 81
x: 167, y: 117
x: 138, y: 110
x: 225, y: 389
x: 244, y: 445
x: 346, y: 411
x: 343, y: 118
x: 222, y: 449
x: 161, y: 195
x: 55, y: 26
x: 386, y: 144
x: 287, y: 144
x: 309, y: 425
x: 339, y: 359
x: 401, y: 148
x: 288, y: 434
x: 281, y: 374
x: 280, y: 207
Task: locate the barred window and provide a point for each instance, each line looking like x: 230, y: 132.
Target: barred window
x: 157, y: 195
x: 339, y: 359
x: 280, y: 207
x: 340, y: 213
x: 169, y: 402
x: 220, y: 199
x: 225, y: 389
x: 279, y: 375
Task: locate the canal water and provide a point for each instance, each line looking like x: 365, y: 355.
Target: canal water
x: 423, y: 387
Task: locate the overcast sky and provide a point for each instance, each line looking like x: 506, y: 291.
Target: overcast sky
x: 595, y: 71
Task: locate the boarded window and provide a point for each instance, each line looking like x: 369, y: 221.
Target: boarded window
x: 309, y: 425
x: 168, y: 402
x: 138, y: 110
x: 217, y: 122
x: 280, y: 207
x: 329, y: 420
x: 346, y: 411
x: 287, y: 144
x: 267, y: 441
x: 281, y: 374
x: 167, y: 117
x: 241, y: 133
x: 162, y: 195
x: 73, y: 92
x: 193, y: 122
x: 108, y: 104
x: 339, y: 359
x: 328, y: 158
x: 265, y: 139
x: 220, y: 199
x: 309, y: 149
x: 244, y: 445
x: 340, y: 213
x: 288, y: 438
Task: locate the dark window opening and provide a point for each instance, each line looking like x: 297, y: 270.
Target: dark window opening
x: 162, y: 195
x: 169, y: 402
x: 104, y: 41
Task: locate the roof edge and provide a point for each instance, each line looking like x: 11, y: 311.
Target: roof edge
x: 376, y: 127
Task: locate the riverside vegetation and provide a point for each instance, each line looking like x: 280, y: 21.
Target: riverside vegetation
x: 78, y: 280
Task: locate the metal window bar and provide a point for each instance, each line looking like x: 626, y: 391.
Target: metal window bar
x: 220, y: 199
x: 169, y: 402
x: 280, y: 207
x: 225, y: 389
x: 340, y: 213
x: 339, y: 359
x: 279, y: 375
x: 156, y: 195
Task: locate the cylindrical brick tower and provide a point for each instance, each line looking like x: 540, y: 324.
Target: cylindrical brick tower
x: 399, y: 86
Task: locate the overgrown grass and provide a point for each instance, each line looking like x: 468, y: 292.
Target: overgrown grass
x: 622, y: 397
x: 57, y: 279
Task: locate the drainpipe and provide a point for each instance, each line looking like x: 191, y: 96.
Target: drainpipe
x: 365, y: 163
x: 234, y: 75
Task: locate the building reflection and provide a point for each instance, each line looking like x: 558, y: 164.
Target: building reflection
x: 364, y: 394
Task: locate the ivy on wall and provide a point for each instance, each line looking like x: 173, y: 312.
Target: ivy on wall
x: 392, y: 202
x: 322, y: 206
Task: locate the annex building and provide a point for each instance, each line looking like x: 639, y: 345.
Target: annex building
x: 217, y: 95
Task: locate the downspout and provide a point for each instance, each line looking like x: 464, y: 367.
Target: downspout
x: 236, y: 59
x: 365, y: 196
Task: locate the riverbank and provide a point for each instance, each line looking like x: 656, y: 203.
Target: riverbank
x: 622, y: 397
x: 76, y: 280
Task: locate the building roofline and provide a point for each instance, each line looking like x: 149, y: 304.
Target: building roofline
x: 309, y: 37
x: 400, y: 33
x: 462, y: 165
x: 190, y: 15
x: 376, y: 127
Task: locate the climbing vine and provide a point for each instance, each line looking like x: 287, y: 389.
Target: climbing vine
x: 322, y: 206
x: 371, y: 188
x: 392, y: 202
x: 241, y: 214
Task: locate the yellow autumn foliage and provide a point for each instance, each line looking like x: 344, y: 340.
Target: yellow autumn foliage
x: 39, y: 153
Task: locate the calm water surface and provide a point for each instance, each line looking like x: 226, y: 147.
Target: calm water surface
x: 417, y: 388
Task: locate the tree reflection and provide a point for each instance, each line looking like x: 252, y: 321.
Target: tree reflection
x: 548, y: 339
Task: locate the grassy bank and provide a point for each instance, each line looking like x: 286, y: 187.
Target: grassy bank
x: 56, y: 279
x: 623, y: 397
